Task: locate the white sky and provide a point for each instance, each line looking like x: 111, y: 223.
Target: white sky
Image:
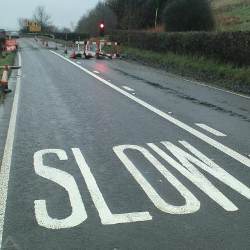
x: 62, y: 12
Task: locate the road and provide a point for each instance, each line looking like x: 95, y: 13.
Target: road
x: 111, y: 154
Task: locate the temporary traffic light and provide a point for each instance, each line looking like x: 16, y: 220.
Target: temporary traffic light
x: 101, y: 29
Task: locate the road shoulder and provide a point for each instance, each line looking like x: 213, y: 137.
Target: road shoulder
x: 6, y: 102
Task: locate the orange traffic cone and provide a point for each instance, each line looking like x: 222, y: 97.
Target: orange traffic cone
x: 4, y: 80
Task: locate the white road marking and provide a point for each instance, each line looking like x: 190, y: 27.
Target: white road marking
x: 7, y: 156
x: 78, y: 62
x: 188, y: 169
x: 106, y: 216
x: 209, y: 129
x: 225, y: 149
x: 128, y: 88
x: 66, y: 181
x: 212, y: 87
x: 191, y: 205
x: 97, y: 72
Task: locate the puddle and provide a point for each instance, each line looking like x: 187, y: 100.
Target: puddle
x: 184, y: 96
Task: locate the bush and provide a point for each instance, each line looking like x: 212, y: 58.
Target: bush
x: 228, y: 47
x: 188, y: 15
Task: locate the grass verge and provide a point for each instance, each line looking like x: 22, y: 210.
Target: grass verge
x: 215, y: 73
x: 7, y: 59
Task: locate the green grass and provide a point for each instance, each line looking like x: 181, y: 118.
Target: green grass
x: 232, y: 15
x: 200, y: 68
x: 226, y: 4
x: 8, y: 59
x: 237, y: 18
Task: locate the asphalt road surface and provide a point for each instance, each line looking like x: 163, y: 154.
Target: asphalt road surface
x: 115, y: 155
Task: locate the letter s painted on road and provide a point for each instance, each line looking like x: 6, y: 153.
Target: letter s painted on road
x: 66, y: 181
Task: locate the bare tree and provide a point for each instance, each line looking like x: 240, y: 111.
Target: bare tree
x: 42, y: 17
x: 22, y: 22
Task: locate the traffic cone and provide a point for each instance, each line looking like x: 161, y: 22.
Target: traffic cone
x: 4, y: 80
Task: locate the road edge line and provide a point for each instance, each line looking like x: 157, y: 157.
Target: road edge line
x: 221, y: 147
x: 217, y: 88
x: 7, y: 155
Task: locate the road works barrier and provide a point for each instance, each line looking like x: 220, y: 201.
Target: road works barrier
x: 4, y: 86
x: 11, y: 45
x: 108, y: 49
x: 96, y: 48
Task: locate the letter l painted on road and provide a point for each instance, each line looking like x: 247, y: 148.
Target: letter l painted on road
x: 107, y: 218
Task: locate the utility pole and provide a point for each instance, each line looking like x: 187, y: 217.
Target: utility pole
x: 157, y: 3
x: 156, y: 16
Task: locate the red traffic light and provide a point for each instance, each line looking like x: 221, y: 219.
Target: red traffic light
x: 101, y: 29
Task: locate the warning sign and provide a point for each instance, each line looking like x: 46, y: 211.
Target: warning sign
x: 11, y: 45
x: 33, y: 26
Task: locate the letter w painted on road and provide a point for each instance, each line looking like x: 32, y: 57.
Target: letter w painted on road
x: 188, y: 169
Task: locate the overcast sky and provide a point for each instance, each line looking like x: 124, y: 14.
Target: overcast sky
x: 63, y: 12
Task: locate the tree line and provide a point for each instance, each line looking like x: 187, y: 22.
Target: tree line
x: 172, y: 15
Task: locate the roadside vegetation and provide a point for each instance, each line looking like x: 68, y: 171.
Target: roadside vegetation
x: 200, y: 68
x: 232, y: 15
x: 7, y: 59
x: 168, y: 15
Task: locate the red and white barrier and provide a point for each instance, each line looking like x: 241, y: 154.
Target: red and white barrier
x: 98, y: 49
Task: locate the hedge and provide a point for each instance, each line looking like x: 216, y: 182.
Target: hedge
x: 60, y: 35
x: 71, y: 36
x: 228, y: 47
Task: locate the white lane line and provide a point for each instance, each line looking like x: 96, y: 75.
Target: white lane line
x: 225, y: 149
x: 97, y: 72
x: 209, y: 129
x: 128, y: 88
x: 78, y: 62
x: 7, y: 156
x: 212, y: 87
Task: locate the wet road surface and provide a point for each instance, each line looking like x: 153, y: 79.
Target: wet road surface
x: 111, y: 154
